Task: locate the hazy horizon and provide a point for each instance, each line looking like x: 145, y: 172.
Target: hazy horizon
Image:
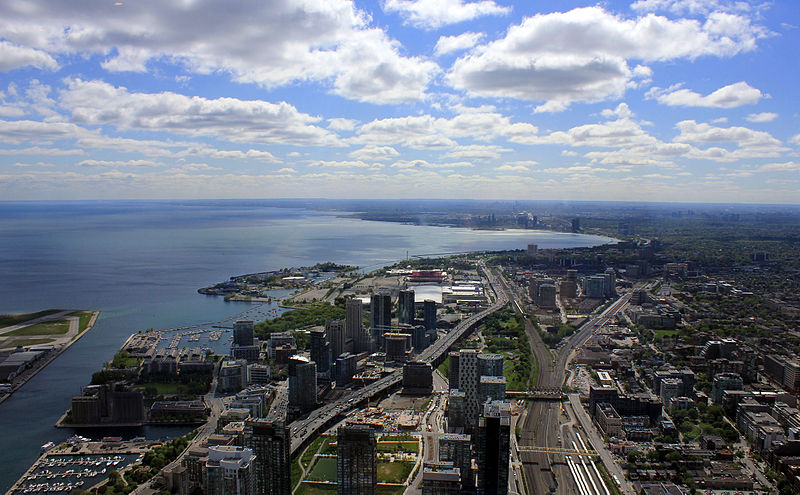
x: 410, y: 201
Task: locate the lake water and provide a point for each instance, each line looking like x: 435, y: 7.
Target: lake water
x: 141, y: 263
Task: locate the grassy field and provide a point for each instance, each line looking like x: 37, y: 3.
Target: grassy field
x: 329, y: 447
x: 444, y: 368
x: 295, y: 473
x: 308, y: 454
x: 394, y: 472
x: 313, y: 489
x: 9, y: 320
x: 84, y: 316
x: 424, y: 404
x: 389, y: 490
x: 59, y: 327
x: 123, y: 360
x: 666, y: 333
x: 323, y: 469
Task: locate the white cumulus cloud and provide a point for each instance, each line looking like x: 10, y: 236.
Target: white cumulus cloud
x: 271, y: 43
x: 14, y: 56
x: 21, y: 131
x: 622, y: 111
x: 779, y: 167
x: 762, y: 117
x: 38, y: 150
x: 256, y: 121
x: 340, y: 164
x: 423, y: 164
x: 584, y: 54
x: 375, y: 153
x: 692, y: 6
x: 461, y: 42
x: 730, y: 96
x: 476, y: 152
x: 340, y: 124
x: 692, y: 132
x: 513, y: 168
x: 433, y: 14
x: 118, y: 163
x: 428, y: 132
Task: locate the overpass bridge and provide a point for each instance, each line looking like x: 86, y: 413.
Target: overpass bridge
x: 553, y: 394
x: 557, y: 451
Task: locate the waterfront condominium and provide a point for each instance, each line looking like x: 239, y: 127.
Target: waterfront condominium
x: 270, y: 443
x: 380, y: 316
x: 229, y: 471
x: 405, y: 307
x: 243, y: 332
x: 302, y: 383
x: 334, y: 332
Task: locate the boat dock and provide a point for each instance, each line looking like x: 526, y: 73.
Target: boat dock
x: 79, y: 464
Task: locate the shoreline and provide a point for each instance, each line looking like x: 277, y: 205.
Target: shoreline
x: 478, y: 228
x: 40, y: 365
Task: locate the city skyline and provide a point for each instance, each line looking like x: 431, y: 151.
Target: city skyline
x: 656, y: 100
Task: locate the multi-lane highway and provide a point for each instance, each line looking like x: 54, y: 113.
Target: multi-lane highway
x: 540, y: 427
x: 302, y: 431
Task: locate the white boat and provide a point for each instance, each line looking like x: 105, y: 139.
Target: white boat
x: 48, y: 446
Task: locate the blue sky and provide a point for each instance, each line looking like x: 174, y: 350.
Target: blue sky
x: 643, y: 100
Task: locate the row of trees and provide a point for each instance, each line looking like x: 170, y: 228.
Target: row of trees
x: 311, y: 315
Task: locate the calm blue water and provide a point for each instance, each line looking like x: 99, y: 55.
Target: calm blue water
x: 141, y: 263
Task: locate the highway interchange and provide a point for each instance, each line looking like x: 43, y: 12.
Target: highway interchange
x: 304, y: 430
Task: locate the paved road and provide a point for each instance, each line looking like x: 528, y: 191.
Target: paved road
x: 433, y: 425
x: 752, y: 468
x: 74, y: 322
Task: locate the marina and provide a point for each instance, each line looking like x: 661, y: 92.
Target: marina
x: 216, y: 336
x: 212, y: 337
x: 78, y: 464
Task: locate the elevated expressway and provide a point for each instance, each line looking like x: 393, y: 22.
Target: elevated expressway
x: 305, y: 430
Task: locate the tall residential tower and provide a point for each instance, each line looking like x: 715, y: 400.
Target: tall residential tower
x: 356, y: 460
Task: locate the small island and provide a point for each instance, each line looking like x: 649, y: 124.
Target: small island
x: 30, y: 341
